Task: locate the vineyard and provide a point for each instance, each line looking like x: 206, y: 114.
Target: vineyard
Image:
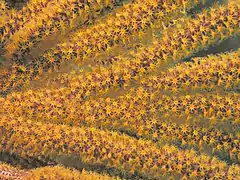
x: 119, y: 89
